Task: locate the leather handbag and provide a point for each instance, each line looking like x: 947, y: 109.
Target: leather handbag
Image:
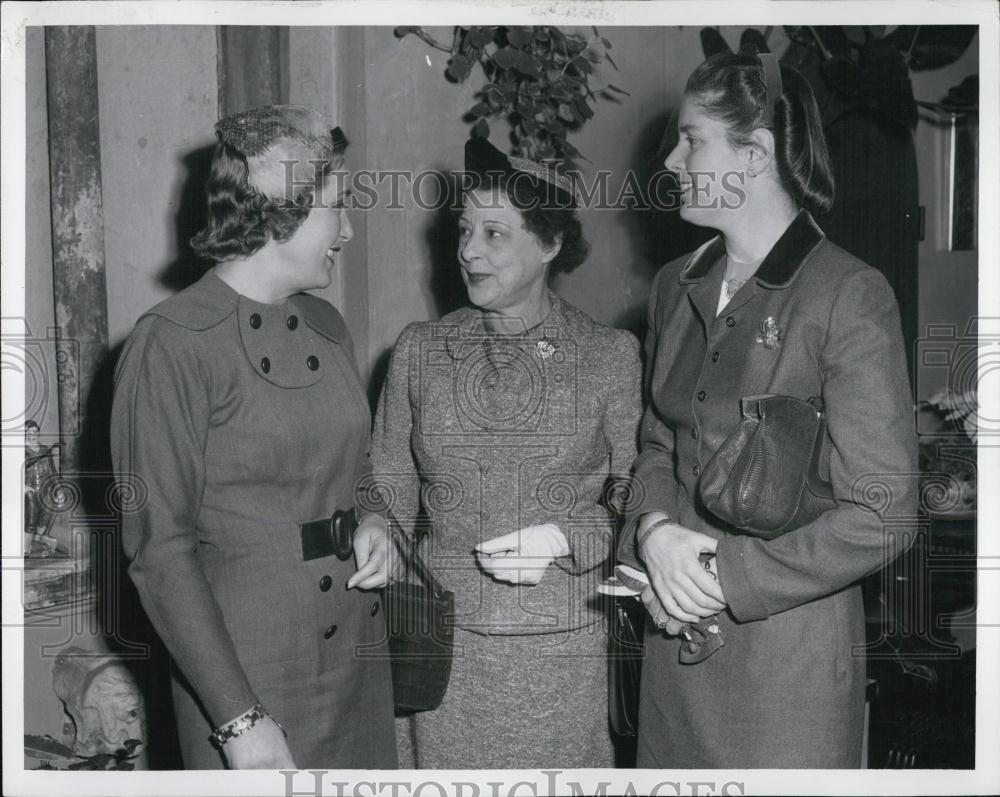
x: 625, y: 652
x: 420, y: 622
x: 766, y: 478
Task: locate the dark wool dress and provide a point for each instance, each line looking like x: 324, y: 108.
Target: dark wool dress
x: 237, y: 421
x: 490, y: 434
x: 787, y: 689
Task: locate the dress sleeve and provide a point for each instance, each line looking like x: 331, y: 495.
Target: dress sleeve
x: 159, y: 427
x: 623, y: 408
x: 873, y: 466
x: 395, y: 475
x: 653, y: 473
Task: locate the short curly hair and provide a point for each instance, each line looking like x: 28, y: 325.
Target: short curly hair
x: 240, y: 219
x: 552, y: 224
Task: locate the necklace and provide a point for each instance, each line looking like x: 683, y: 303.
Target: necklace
x: 732, y: 286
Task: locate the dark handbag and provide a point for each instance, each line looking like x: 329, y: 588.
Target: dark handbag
x: 420, y: 622
x: 766, y: 478
x: 625, y: 652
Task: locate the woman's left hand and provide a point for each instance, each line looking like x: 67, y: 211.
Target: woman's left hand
x: 375, y: 555
x: 523, y: 556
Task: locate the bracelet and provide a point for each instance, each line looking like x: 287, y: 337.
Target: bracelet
x: 241, y: 725
x: 666, y: 521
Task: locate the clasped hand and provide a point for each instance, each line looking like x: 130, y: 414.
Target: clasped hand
x: 375, y: 555
x: 679, y: 583
x: 523, y: 556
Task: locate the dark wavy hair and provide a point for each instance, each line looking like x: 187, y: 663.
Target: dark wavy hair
x: 730, y: 87
x: 240, y: 219
x: 548, y: 225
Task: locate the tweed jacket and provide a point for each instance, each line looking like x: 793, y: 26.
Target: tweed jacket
x: 235, y: 421
x: 814, y: 321
x: 486, y: 434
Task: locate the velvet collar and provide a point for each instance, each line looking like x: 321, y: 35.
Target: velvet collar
x: 782, y: 263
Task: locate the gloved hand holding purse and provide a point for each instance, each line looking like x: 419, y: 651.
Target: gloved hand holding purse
x: 523, y: 556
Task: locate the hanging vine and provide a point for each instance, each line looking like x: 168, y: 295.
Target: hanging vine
x: 541, y: 79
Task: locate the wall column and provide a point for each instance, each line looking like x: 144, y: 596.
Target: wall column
x: 253, y: 67
x: 80, y: 295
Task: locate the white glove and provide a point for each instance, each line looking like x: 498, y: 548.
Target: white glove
x: 523, y: 556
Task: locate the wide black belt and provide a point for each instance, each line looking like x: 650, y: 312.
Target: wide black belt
x: 328, y: 536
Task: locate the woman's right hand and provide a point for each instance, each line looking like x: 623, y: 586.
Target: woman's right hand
x: 685, y: 589
x: 264, y: 746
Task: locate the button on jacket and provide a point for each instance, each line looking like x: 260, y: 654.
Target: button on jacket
x: 236, y: 423
x: 787, y: 690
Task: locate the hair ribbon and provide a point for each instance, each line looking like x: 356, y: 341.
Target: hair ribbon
x: 772, y: 83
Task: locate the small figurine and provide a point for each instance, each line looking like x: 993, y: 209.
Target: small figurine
x: 39, y: 473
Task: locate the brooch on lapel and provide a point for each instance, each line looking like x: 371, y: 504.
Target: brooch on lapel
x: 544, y: 349
x: 770, y: 333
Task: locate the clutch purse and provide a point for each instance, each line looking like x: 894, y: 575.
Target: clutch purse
x: 420, y: 622
x: 766, y: 479
x: 625, y: 651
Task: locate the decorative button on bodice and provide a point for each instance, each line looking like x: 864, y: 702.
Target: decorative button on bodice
x: 293, y: 321
x: 701, y: 395
x: 255, y: 320
x: 730, y: 321
x: 325, y: 583
x: 265, y: 364
x: 312, y: 362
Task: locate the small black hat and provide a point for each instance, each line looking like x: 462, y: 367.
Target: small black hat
x: 531, y: 184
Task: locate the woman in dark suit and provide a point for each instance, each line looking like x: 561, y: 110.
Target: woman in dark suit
x: 768, y: 306
x: 239, y: 419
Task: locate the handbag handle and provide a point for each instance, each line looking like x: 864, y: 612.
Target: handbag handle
x: 413, y: 559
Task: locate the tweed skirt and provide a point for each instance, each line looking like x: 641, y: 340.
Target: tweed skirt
x: 535, y: 701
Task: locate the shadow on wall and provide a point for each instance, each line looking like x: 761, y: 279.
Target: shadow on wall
x: 187, y: 267
x: 446, y: 287
x: 659, y: 233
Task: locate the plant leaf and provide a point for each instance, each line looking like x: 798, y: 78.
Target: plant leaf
x: 519, y: 37
x: 566, y: 113
x: 481, y: 129
x: 614, y: 88
x: 403, y: 31
x: 505, y: 58
x: 480, y: 109
x: 459, y: 68
x: 610, y: 60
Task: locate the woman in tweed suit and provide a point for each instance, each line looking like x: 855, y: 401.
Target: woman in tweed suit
x: 769, y: 306
x: 239, y: 417
x: 503, y: 423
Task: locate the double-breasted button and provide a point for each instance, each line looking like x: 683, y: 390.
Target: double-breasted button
x: 325, y: 583
x: 312, y: 362
x: 715, y: 356
x: 696, y: 469
x: 374, y: 610
x: 330, y: 632
x: 293, y: 321
x: 701, y: 395
x: 265, y: 364
x: 730, y: 321
x: 255, y: 321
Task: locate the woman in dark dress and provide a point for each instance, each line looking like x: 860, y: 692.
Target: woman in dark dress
x: 239, y: 418
x: 769, y: 306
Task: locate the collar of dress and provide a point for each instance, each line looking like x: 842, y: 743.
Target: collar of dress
x: 467, y: 328
x: 782, y: 263
x: 210, y: 300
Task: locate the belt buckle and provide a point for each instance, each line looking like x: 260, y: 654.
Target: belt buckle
x: 329, y: 536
